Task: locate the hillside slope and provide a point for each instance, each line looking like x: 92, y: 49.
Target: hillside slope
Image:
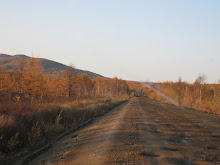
x: 11, y: 63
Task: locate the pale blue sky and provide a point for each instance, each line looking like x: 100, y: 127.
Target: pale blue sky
x: 154, y: 40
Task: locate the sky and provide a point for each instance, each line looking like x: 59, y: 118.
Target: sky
x: 142, y: 40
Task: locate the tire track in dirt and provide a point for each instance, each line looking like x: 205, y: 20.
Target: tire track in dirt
x: 143, y: 131
x: 185, y: 132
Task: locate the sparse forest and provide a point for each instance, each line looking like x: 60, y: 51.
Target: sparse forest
x: 198, y: 95
x: 31, y: 85
x: 35, y: 108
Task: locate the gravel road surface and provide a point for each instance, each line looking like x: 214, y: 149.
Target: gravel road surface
x: 141, y: 131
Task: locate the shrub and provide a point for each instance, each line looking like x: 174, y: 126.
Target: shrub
x: 13, y: 142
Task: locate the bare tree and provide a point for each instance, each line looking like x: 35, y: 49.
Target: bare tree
x: 201, y: 79
x: 179, y: 89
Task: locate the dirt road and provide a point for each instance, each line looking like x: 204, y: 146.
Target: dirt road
x: 143, y: 131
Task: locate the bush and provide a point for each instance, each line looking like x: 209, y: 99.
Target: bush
x: 34, y: 128
x: 13, y: 142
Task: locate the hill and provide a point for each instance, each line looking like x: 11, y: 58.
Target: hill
x: 11, y: 63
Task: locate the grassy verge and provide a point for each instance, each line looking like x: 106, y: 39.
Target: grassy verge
x: 24, y: 132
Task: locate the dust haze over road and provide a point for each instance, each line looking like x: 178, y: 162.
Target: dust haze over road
x: 141, y: 131
x: 161, y: 94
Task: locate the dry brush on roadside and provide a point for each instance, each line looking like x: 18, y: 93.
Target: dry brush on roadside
x: 33, y: 129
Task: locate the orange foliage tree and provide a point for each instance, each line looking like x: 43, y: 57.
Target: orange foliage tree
x: 32, y: 84
x: 32, y: 80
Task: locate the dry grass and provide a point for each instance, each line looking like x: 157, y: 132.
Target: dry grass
x: 28, y: 130
x: 6, y: 120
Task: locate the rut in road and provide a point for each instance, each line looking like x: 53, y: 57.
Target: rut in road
x: 143, y: 131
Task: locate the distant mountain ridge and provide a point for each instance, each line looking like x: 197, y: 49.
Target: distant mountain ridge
x: 11, y: 63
